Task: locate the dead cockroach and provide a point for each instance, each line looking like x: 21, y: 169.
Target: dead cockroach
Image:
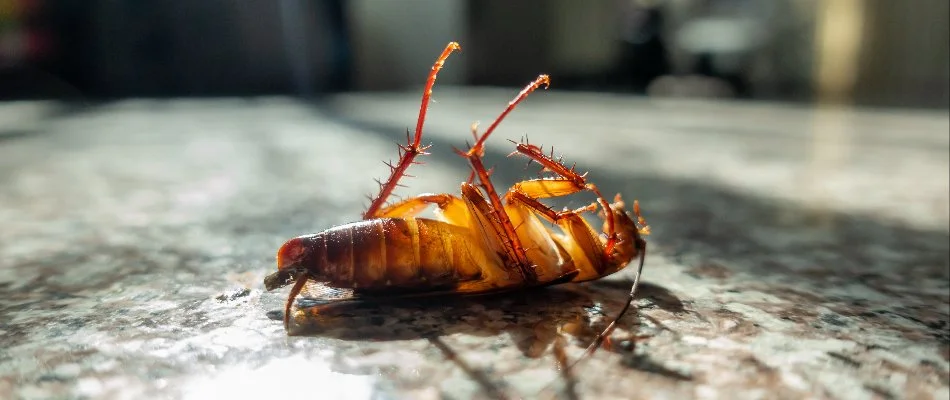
x: 477, y: 244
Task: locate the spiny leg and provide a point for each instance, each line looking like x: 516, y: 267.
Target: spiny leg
x: 474, y: 156
x: 571, y: 177
x: 413, y: 147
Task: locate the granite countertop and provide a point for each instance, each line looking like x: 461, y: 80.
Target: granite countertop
x: 795, y: 253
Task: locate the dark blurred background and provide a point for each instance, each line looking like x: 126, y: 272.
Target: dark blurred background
x: 874, y: 52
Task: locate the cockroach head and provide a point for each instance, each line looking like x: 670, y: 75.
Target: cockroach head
x: 289, y: 264
x: 630, y: 228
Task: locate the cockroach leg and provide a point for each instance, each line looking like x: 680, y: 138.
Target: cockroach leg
x: 449, y: 208
x: 493, y: 232
x: 507, y: 233
x: 540, y: 188
x: 412, y: 148
x: 545, y: 211
x: 474, y: 156
x: 414, y: 205
x: 577, y: 231
x: 294, y: 292
x: 643, y: 227
x: 479, y: 144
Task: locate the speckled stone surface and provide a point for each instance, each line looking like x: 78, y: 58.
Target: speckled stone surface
x: 795, y: 253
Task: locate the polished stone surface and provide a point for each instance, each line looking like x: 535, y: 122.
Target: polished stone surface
x: 795, y: 253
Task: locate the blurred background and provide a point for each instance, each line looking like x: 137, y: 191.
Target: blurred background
x: 881, y: 53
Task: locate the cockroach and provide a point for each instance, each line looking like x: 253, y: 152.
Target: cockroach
x: 477, y: 244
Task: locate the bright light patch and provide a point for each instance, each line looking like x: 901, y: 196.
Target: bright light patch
x: 295, y: 377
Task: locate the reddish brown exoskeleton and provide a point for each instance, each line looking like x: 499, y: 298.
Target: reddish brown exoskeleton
x: 479, y: 243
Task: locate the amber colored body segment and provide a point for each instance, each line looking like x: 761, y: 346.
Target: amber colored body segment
x: 386, y: 253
